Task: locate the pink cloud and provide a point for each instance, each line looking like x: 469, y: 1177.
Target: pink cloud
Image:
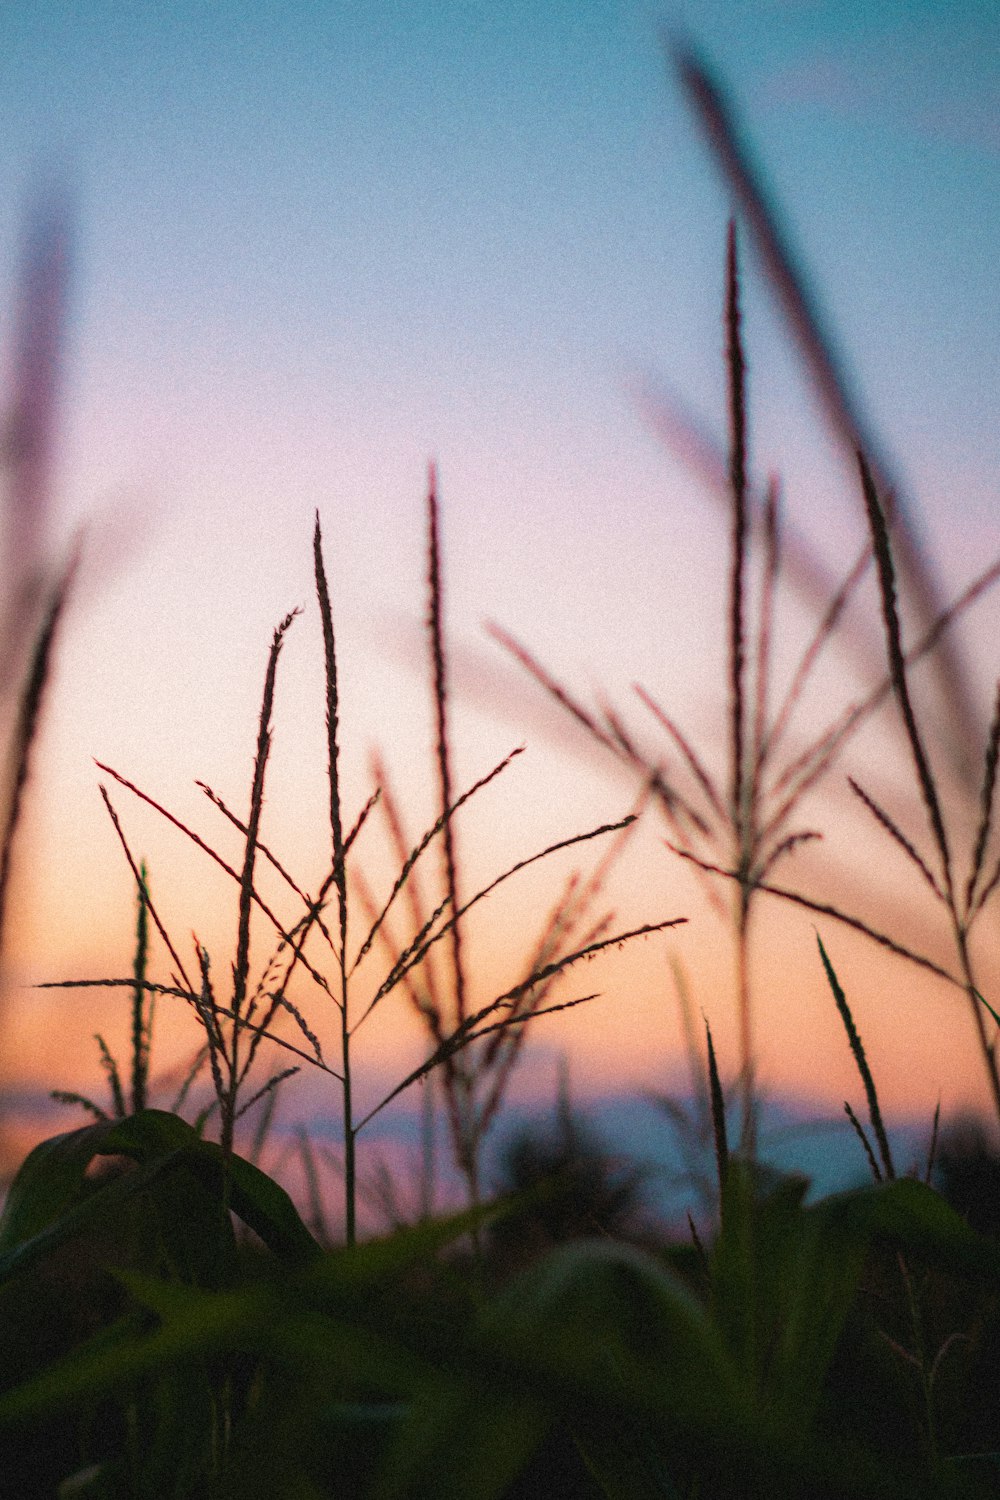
x: 957, y: 99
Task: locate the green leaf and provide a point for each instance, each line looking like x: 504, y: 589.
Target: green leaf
x: 117, y: 1356
x: 257, y: 1199
x: 50, y: 1179
x: 101, y: 1205
x: 785, y: 1276
x: 753, y: 1257
x: 624, y: 1459
x: 355, y: 1267
x: 52, y: 1198
x: 605, y: 1321
x: 917, y: 1219
x: 461, y: 1438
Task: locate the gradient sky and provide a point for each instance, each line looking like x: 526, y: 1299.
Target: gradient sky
x: 316, y: 245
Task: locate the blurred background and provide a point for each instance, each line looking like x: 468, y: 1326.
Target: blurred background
x: 311, y: 247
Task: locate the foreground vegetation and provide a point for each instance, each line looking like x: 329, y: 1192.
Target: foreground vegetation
x: 150, y: 1348
x: 170, y: 1326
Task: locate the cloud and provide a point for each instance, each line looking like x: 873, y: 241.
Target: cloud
x: 941, y: 83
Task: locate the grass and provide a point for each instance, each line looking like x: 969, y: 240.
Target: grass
x: 742, y: 825
x: 171, y: 1325
x: 473, y: 1047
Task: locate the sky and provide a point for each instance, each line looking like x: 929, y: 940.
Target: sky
x: 315, y: 247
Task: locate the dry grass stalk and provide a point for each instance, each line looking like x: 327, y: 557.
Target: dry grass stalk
x: 736, y: 363
x: 339, y: 881
x: 751, y: 823
x: 28, y: 442
x: 802, y: 570
x: 824, y: 909
x: 435, y: 625
x: 241, y: 968
x: 961, y: 910
x: 806, y: 324
x: 27, y: 457
x: 143, y: 1003
x: 474, y: 1072
x: 235, y: 1031
x: 743, y: 780
x: 26, y: 726
x: 881, y: 816
x: 718, y: 122
x: 897, y: 671
x: 762, y: 662
x: 807, y: 768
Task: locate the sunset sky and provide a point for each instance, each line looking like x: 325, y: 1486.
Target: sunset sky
x: 314, y: 247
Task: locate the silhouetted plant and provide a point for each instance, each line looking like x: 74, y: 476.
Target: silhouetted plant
x: 967, y: 1171
x: 571, y: 1186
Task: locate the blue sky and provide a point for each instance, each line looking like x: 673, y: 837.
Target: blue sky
x: 318, y: 244
x: 434, y: 219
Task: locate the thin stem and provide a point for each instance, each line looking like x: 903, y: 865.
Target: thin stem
x: 744, y: 1000
x: 738, y: 482
x: 339, y: 878
x: 807, y: 325
x: 27, y: 724
x: 443, y: 746
x: 897, y: 668
x: 741, y: 789
x: 350, y: 1132
x: 142, y: 1005
x: 986, y: 1047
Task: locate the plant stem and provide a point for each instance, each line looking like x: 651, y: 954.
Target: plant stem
x: 350, y: 1185
x: 748, y: 1125
x: 985, y: 1045
x: 427, y: 1147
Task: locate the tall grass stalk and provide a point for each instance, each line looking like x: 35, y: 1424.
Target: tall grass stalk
x: 143, y: 1003
x: 742, y: 777
x: 807, y: 326
x: 883, y: 1170
x: 752, y: 824
x: 458, y: 1083
x: 962, y: 906
x: 420, y: 988
x: 488, y: 1036
x: 26, y: 727
x: 751, y: 821
x: 884, y: 506
x: 339, y: 882
x: 141, y: 1035
x: 27, y: 463
x: 474, y: 1078
x: 28, y: 448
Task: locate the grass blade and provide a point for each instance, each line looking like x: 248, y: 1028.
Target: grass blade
x: 897, y: 669
x: 985, y: 806
x: 825, y: 909
x: 862, y: 1136
x: 29, y: 439
x: 718, y: 1103
x: 27, y: 724
x: 718, y: 121
x: 738, y: 483
x: 874, y: 1110
x: 882, y: 817
x: 442, y: 747
x: 139, y: 880
x: 142, y: 1000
